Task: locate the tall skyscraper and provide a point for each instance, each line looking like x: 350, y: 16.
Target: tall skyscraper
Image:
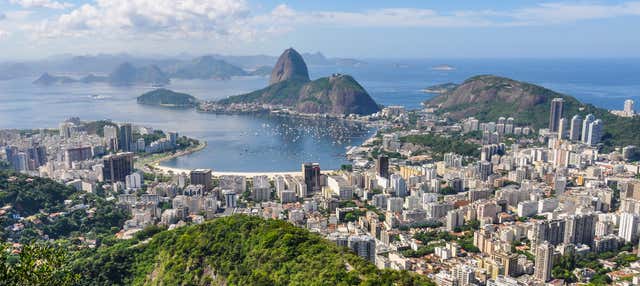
x: 595, y: 132
x: 585, y: 127
x: 557, y: 105
x: 628, y: 226
x: 111, y: 137
x: 544, y: 261
x: 563, y: 128
x: 398, y: 185
x: 628, y: 107
x: 364, y: 246
x: 116, y: 167
x: 382, y: 166
x: 201, y: 177
x: 580, y: 229
x: 576, y: 128
x: 311, y: 175
x: 126, y: 137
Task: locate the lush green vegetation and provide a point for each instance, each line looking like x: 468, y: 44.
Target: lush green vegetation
x: 439, y: 145
x: 538, y: 101
x: 150, y: 137
x: 567, y: 263
x: 36, y: 264
x: 165, y: 97
x: 97, y: 127
x: 431, y: 239
x: 236, y: 250
x: 38, y: 206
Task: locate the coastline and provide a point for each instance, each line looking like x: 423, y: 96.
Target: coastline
x: 173, y: 170
x: 155, y: 163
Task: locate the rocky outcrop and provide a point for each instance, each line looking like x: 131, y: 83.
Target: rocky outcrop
x: 290, y: 66
x: 290, y: 86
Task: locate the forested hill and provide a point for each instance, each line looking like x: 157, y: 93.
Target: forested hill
x: 236, y: 250
x: 487, y: 97
x: 34, y: 208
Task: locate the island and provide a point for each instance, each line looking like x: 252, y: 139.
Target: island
x: 167, y: 98
x: 290, y: 87
x: 49, y: 79
x: 441, y: 88
x: 442, y: 68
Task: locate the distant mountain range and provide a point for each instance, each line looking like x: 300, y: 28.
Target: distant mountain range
x: 183, y: 67
x: 290, y: 86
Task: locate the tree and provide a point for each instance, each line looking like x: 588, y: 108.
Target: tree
x: 36, y: 264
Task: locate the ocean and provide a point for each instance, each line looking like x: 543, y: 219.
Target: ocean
x: 254, y: 143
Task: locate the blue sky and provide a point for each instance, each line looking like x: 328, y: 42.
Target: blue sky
x: 363, y: 29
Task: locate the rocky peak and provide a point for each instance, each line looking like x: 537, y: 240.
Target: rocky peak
x: 290, y: 66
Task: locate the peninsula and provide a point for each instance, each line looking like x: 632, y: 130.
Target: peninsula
x: 290, y: 87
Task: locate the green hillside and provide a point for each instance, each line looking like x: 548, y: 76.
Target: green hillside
x: 168, y: 98
x: 38, y: 205
x: 236, y: 250
x: 488, y: 97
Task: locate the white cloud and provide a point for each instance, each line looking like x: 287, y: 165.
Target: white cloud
x: 152, y: 18
x: 229, y: 20
x: 554, y: 13
x: 541, y: 14
x: 3, y: 34
x: 42, y: 4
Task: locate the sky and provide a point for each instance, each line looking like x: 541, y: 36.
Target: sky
x: 34, y: 29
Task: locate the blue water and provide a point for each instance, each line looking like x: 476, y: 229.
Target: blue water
x: 263, y: 143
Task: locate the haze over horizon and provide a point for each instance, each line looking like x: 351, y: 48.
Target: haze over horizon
x: 35, y: 29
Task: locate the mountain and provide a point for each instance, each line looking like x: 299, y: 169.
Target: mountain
x: 168, y: 98
x: 48, y: 79
x: 127, y: 74
x: 235, y: 250
x: 206, y: 67
x: 91, y: 78
x: 290, y: 66
x: 290, y: 86
x: 488, y: 97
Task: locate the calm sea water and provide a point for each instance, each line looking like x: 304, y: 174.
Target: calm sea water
x: 266, y: 143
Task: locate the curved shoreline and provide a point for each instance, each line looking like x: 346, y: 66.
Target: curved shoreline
x: 155, y: 166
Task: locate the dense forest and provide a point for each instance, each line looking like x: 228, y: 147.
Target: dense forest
x: 236, y: 250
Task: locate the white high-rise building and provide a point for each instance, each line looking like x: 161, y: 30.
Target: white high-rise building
x: 398, y: 185
x: 563, y: 128
x: 628, y: 107
x: 628, y: 229
x: 595, y: 132
x: 585, y: 127
x: 576, y: 128
x: 543, y: 261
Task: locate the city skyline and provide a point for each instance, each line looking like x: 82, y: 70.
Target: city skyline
x: 31, y: 29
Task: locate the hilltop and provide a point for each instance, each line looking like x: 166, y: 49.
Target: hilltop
x: 487, y: 97
x: 167, y: 98
x: 235, y: 250
x: 205, y: 67
x: 290, y: 85
x: 128, y: 74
